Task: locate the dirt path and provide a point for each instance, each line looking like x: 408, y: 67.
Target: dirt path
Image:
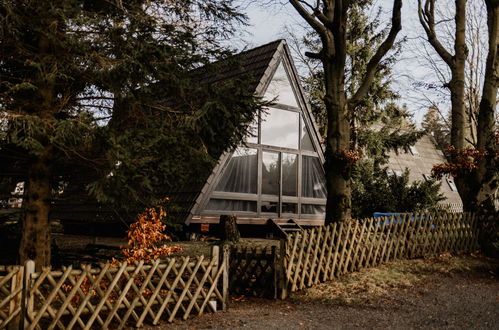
x: 443, y: 300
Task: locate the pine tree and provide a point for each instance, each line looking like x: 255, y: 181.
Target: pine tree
x: 434, y: 125
x: 95, y: 97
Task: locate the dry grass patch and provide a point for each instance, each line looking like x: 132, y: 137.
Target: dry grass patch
x: 368, y: 286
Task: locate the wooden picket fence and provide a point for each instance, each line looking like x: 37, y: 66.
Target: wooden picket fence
x: 113, y: 297
x: 326, y: 252
x: 253, y: 271
x: 10, y: 294
x: 450, y: 207
x: 457, y: 207
x: 132, y: 295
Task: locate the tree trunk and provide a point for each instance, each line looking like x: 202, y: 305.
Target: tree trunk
x: 460, y: 129
x: 338, y: 171
x: 35, y: 240
x: 229, y: 231
x: 485, y: 179
x: 329, y: 20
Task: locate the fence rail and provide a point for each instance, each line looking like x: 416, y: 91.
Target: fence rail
x: 116, y: 297
x: 327, y: 252
x: 113, y: 297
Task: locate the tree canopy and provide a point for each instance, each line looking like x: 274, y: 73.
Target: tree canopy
x: 96, y: 97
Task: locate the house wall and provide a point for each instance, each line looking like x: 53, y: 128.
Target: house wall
x: 421, y: 163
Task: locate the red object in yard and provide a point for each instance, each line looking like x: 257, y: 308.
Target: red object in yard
x: 205, y: 227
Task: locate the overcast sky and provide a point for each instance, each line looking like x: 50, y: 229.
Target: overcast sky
x: 267, y: 23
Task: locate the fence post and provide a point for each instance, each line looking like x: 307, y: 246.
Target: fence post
x: 27, y: 302
x: 215, y: 256
x: 225, y: 276
x: 275, y: 266
x: 281, y: 269
x: 15, y: 282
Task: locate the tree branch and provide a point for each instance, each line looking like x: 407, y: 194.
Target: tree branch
x: 387, y: 44
x: 316, y: 56
x: 427, y: 20
x: 309, y: 18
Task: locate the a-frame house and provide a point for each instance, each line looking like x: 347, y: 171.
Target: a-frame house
x: 276, y: 173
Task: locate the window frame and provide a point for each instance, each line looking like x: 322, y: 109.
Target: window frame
x: 259, y: 197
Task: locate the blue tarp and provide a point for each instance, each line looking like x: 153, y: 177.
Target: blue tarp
x: 397, y: 217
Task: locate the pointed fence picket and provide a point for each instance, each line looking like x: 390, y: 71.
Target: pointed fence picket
x: 327, y: 252
x: 112, y: 296
x: 124, y: 295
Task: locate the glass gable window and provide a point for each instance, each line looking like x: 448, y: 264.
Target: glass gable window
x: 313, y: 182
x: 280, y: 90
x: 279, y: 173
x: 280, y: 128
x: 241, y: 172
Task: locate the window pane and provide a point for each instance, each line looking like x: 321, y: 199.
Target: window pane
x: 313, y: 209
x: 451, y: 184
x: 241, y: 173
x: 231, y: 205
x: 252, y: 136
x: 414, y: 151
x: 270, y: 173
x: 280, y: 89
x: 313, y: 182
x: 306, y: 142
x: 289, y: 174
x: 289, y: 208
x: 280, y: 128
x: 270, y: 207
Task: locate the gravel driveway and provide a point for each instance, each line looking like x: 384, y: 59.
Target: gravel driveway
x: 462, y: 300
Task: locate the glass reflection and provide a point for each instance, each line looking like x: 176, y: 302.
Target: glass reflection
x: 280, y: 90
x: 289, y: 174
x: 270, y: 207
x: 289, y: 208
x: 280, y: 128
x: 313, y: 209
x: 252, y: 135
x: 306, y: 142
x: 270, y: 173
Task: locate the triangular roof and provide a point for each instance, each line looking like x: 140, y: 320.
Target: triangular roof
x: 260, y: 63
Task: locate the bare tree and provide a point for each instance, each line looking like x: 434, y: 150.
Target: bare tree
x: 484, y: 181
x: 434, y: 92
x: 456, y: 63
x: 467, y: 107
x: 329, y: 19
